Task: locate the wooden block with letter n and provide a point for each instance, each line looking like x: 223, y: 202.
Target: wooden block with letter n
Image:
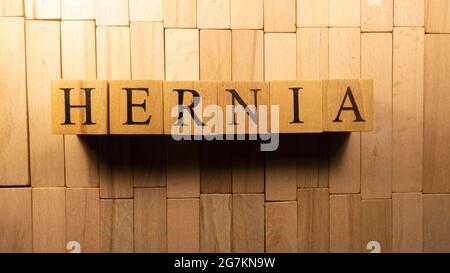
x: 300, y: 105
x: 136, y: 107
x: 348, y: 105
x: 80, y: 107
x: 241, y: 104
x: 184, y: 103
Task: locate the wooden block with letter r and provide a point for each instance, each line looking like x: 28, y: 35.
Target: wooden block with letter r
x: 300, y: 105
x: 348, y: 105
x: 80, y: 107
x: 136, y: 107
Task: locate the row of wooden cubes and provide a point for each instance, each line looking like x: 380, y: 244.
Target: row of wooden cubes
x: 154, y: 107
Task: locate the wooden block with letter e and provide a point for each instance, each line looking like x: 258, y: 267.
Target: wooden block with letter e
x: 242, y: 101
x: 348, y: 105
x: 80, y: 107
x: 184, y: 103
x: 300, y: 105
x: 136, y: 107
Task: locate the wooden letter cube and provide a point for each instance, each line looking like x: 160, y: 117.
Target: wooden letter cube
x: 80, y: 107
x: 300, y: 105
x: 136, y: 107
x: 348, y: 105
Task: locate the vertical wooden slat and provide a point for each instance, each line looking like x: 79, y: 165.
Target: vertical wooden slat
x: 247, y: 14
x: 116, y: 225
x: 312, y: 53
x: 150, y: 220
x: 281, y: 227
x: 16, y: 221
x: 215, y: 223
x: 345, y: 13
x: 376, y: 224
x: 13, y: 110
x: 247, y: 55
x: 215, y: 45
x: 49, y: 220
x: 344, y: 149
x: 78, y: 9
x: 183, y: 225
x: 408, y: 80
x: 215, y: 171
x: 149, y: 162
x: 43, y: 65
x: 437, y: 16
x: 409, y: 13
x: 146, y: 10
x: 279, y: 15
x: 407, y: 225
x: 376, y: 146
x: 307, y: 161
x: 312, y: 13
x: 182, y: 54
x: 436, y: 220
x: 213, y: 14
x: 11, y: 8
x: 377, y: 16
x: 112, y: 13
x: 345, y: 223
x: 313, y: 216
x: 83, y: 218
x: 43, y: 9
x: 247, y: 167
x: 280, y: 56
x: 180, y: 13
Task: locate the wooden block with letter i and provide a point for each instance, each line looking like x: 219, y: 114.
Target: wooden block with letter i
x: 136, y: 107
x: 80, y: 107
x: 300, y: 105
x: 348, y: 105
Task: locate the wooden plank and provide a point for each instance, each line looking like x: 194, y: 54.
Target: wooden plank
x: 146, y: 10
x: 248, y: 223
x: 150, y: 220
x: 79, y: 62
x: 408, y: 77
x: 280, y: 56
x: 436, y: 223
x: 147, y: 51
x: 83, y: 218
x: 78, y: 9
x: 43, y: 66
x: 213, y: 14
x: 437, y: 16
x: 407, y: 225
x: 116, y: 225
x: 180, y: 13
x: 313, y: 216
x: 247, y: 14
x: 376, y: 64
x: 13, y: 111
x: 116, y: 176
x: 279, y: 15
x: 182, y: 54
x: 149, y: 162
x: 215, y: 45
x: 312, y: 53
x: 409, y: 13
x: 344, y: 154
x: 345, y: 13
x: 11, y: 7
x: 49, y: 220
x: 300, y: 105
x: 43, y: 9
x: 376, y: 224
x: 145, y: 117
x: 348, y: 106
x: 345, y: 223
x: 215, y: 223
x: 215, y: 171
x: 113, y: 47
x: 308, y: 161
x: 15, y: 223
x: 377, y: 16
x: 247, y: 52
x: 312, y: 13
x: 111, y: 13
x: 281, y: 172
x: 183, y: 225
x: 183, y: 172
x: 436, y: 130
x: 247, y: 167
x: 92, y: 119
x: 281, y: 227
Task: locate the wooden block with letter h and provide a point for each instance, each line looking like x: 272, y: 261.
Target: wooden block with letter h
x: 80, y: 107
x: 348, y: 105
x: 136, y: 107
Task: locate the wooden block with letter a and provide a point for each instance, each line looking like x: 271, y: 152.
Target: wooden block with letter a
x: 136, y: 107
x: 80, y: 107
x: 251, y: 96
x: 300, y: 105
x: 348, y: 105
